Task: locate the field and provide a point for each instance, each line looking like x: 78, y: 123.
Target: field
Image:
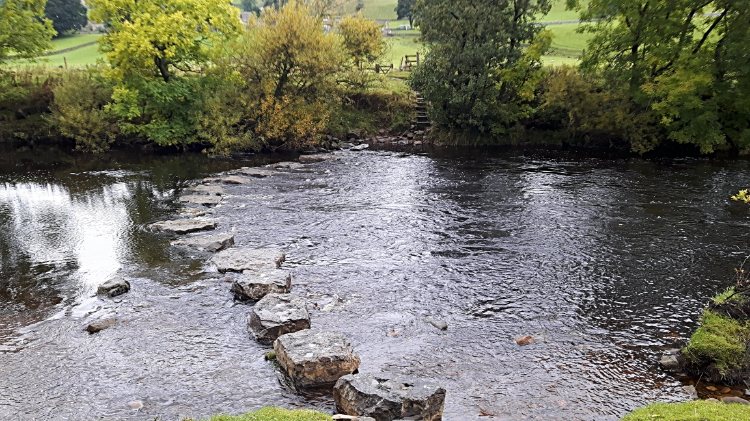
x: 72, y: 40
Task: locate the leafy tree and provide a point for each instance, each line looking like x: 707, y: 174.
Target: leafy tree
x: 250, y: 6
x: 151, y: 38
x: 362, y: 39
x: 66, y: 15
x: 684, y: 60
x: 405, y: 9
x: 472, y: 44
x: 24, y: 32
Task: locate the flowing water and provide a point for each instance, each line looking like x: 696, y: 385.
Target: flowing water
x: 605, y: 262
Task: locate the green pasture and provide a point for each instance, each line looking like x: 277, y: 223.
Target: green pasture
x: 558, y: 13
x: 76, y: 58
x: 68, y: 41
x: 379, y: 9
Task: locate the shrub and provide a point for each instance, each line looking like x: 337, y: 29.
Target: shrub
x: 78, y: 111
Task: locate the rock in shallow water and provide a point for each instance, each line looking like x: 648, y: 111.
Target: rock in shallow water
x: 232, y: 179
x: 212, y: 243
x: 308, y: 159
x: 315, y: 357
x: 184, y: 226
x: 99, y: 325
x: 387, y: 397
x: 670, y: 362
x: 691, y: 391
x: 525, y: 340
x: 114, y: 287
x: 254, y: 285
x: 204, y: 200
x: 215, y: 190
x: 238, y: 260
x: 277, y: 314
x: 287, y: 165
x: 734, y: 399
x: 256, y: 172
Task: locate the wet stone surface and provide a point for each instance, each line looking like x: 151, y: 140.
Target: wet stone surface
x: 315, y: 357
x: 254, y: 285
x: 277, y: 314
x: 588, y: 253
x: 184, y: 226
x: 205, y: 200
x: 238, y: 260
x: 211, y: 243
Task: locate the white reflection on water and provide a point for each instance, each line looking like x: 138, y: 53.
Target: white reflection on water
x: 47, y: 225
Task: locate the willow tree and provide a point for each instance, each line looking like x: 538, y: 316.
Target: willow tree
x: 685, y: 61
x: 471, y: 46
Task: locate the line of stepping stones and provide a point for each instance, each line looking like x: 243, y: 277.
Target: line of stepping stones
x: 309, y: 357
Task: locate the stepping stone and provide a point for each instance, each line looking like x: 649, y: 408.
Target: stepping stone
x: 232, y: 179
x: 360, y: 147
x: 113, y: 287
x: 277, y: 314
x: 184, y: 226
x: 100, y: 325
x: 256, y: 172
x: 237, y: 260
x: 386, y: 396
x: 313, y: 357
x: 288, y: 165
x: 204, y: 200
x: 215, y: 190
x: 210, y: 243
x: 308, y: 159
x: 194, y: 212
x: 253, y: 285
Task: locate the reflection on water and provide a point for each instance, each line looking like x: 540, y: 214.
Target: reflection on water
x: 605, y: 262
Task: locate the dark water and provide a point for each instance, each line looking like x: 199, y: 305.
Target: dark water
x: 605, y: 262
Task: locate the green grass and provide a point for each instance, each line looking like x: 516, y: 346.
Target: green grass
x: 691, y: 411
x: 724, y: 295
x: 720, y: 340
x: 567, y: 38
x: 401, y: 46
x: 72, y: 40
x: 76, y: 58
x: 379, y: 9
x: 558, y: 13
x: 275, y: 414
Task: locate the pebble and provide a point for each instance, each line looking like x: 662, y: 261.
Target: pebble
x: 734, y: 399
x: 439, y: 324
x: 136, y: 405
x: 712, y: 400
x: 690, y: 390
x: 726, y: 390
x: 711, y: 388
x: 525, y: 340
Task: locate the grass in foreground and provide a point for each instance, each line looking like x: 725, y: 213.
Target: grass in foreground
x: 275, y: 414
x: 691, y: 411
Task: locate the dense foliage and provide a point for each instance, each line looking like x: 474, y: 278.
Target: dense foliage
x: 405, y: 9
x: 66, y: 15
x: 24, y: 32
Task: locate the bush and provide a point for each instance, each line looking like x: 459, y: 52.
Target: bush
x: 78, y: 111
x: 386, y: 104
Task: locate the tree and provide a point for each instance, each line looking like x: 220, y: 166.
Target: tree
x: 404, y: 9
x: 66, y: 15
x: 158, y: 37
x: 250, y: 6
x: 684, y: 60
x: 471, y: 46
x: 24, y: 32
x: 362, y: 39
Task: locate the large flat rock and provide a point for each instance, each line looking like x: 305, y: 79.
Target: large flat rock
x: 212, y: 243
x: 114, y: 287
x: 287, y: 165
x: 201, y: 199
x: 184, y: 226
x: 277, y: 314
x: 308, y: 159
x: 313, y: 357
x: 387, y: 397
x: 256, y: 172
x: 231, y: 179
x: 254, y: 285
x: 215, y: 190
x: 238, y: 260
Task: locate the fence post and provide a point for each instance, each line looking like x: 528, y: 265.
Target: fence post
x: 66, y: 62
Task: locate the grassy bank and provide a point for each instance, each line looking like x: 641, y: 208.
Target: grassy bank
x: 275, y: 414
x: 691, y: 411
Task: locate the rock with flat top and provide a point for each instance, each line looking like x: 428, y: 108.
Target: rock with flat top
x: 201, y: 199
x: 287, y: 165
x: 231, y: 179
x: 256, y: 172
x: 214, y: 190
x: 114, y: 287
x: 277, y: 314
x: 238, y: 260
x: 194, y: 212
x: 212, y: 243
x: 387, y: 397
x: 254, y: 285
x: 100, y: 325
x: 313, y: 357
x: 184, y: 226
x: 360, y: 147
x: 735, y: 399
x: 308, y: 159
x: 669, y: 362
x: 342, y: 417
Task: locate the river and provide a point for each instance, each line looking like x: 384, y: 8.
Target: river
x: 604, y: 261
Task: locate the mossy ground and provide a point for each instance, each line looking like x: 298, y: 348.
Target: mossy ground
x: 691, y: 411
x: 720, y: 340
x: 275, y: 414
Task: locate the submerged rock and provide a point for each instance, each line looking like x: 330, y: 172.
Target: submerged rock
x: 287, y: 165
x: 194, y: 212
x: 256, y: 172
x: 360, y: 147
x: 439, y: 324
x: 184, y: 226
x: 315, y: 357
x: 387, y: 397
x: 215, y: 190
x: 238, y: 260
x: 308, y: 159
x: 232, y: 179
x: 198, y: 199
x: 670, y: 362
x: 254, y: 285
x: 277, y: 314
x: 691, y: 391
x: 210, y: 243
x: 100, y: 325
x: 113, y: 287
